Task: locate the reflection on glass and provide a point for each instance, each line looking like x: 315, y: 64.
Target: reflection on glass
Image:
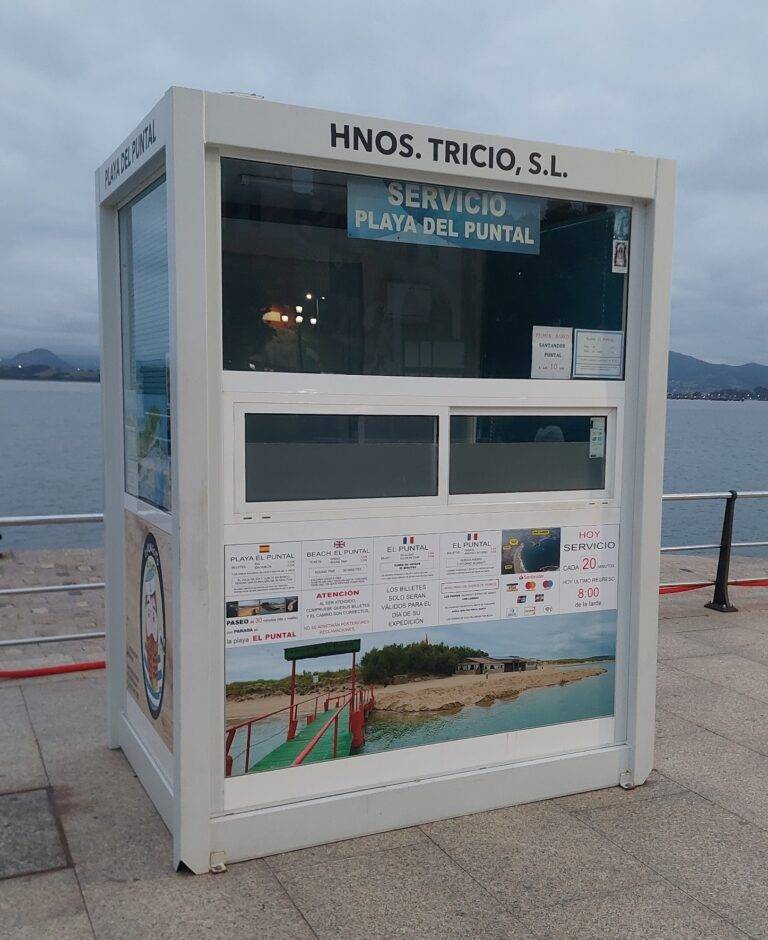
x: 526, y: 453
x: 333, y: 456
x: 300, y: 295
x: 146, y: 344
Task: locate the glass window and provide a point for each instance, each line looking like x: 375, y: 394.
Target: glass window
x: 146, y: 345
x: 310, y: 286
x: 526, y: 453
x: 332, y: 456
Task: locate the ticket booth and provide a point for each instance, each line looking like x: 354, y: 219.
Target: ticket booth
x: 383, y: 426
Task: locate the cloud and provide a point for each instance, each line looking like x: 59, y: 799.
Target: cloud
x: 684, y: 80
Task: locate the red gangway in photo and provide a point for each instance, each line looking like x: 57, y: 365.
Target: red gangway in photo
x: 334, y: 722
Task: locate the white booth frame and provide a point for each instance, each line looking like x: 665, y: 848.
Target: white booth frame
x: 214, y: 820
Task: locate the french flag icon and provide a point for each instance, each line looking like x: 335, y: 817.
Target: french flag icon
x: 408, y: 540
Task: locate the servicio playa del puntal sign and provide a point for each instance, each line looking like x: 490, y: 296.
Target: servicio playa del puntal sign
x: 428, y: 214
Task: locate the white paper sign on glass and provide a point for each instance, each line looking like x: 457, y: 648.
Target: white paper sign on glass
x: 597, y: 436
x: 551, y: 352
x: 598, y: 354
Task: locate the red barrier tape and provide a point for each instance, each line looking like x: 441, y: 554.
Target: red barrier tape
x: 696, y: 585
x: 679, y: 588
x: 50, y: 670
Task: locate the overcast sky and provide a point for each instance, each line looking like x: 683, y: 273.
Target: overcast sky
x: 685, y: 80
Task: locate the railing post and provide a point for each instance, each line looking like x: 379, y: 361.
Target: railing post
x: 720, y: 601
x: 293, y: 714
x: 227, y: 756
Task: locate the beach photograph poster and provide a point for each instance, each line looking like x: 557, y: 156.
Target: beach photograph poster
x: 296, y: 703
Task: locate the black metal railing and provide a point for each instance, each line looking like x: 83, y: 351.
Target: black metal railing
x: 721, y: 600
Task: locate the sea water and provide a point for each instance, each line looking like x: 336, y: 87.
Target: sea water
x: 50, y: 460
x: 575, y: 701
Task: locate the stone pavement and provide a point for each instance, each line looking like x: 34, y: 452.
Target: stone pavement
x: 83, y: 853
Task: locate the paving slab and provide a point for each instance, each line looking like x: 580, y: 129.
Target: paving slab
x: 716, y: 857
x: 347, y: 848
x: 693, y: 603
x: 43, y: 907
x: 689, y: 759
x: 713, y: 707
x: 29, y: 837
x: 536, y: 855
x: 720, y: 770
x: 669, y: 724
x: 731, y: 672
x: 694, y: 620
x: 750, y: 642
x: 658, y: 911
x: 679, y: 645
x: 20, y: 764
x: 245, y: 902
x: 416, y: 891
x: 112, y: 828
x: 655, y: 786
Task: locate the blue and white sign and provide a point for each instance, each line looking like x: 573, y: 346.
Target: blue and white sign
x: 427, y: 214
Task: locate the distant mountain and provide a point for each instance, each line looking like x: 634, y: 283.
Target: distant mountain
x: 687, y: 374
x: 46, y: 365
x: 37, y: 357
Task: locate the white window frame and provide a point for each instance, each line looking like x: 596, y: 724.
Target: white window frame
x: 157, y: 515
x: 608, y: 494
x: 242, y: 506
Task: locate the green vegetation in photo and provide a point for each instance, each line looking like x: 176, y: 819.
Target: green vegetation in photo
x: 382, y: 666
x: 377, y: 667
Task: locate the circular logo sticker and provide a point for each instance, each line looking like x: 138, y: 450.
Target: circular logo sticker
x: 152, y: 626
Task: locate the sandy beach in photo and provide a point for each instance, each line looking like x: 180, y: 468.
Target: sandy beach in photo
x: 455, y: 692
x: 433, y: 694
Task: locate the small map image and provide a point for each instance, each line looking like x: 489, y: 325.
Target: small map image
x: 530, y: 550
